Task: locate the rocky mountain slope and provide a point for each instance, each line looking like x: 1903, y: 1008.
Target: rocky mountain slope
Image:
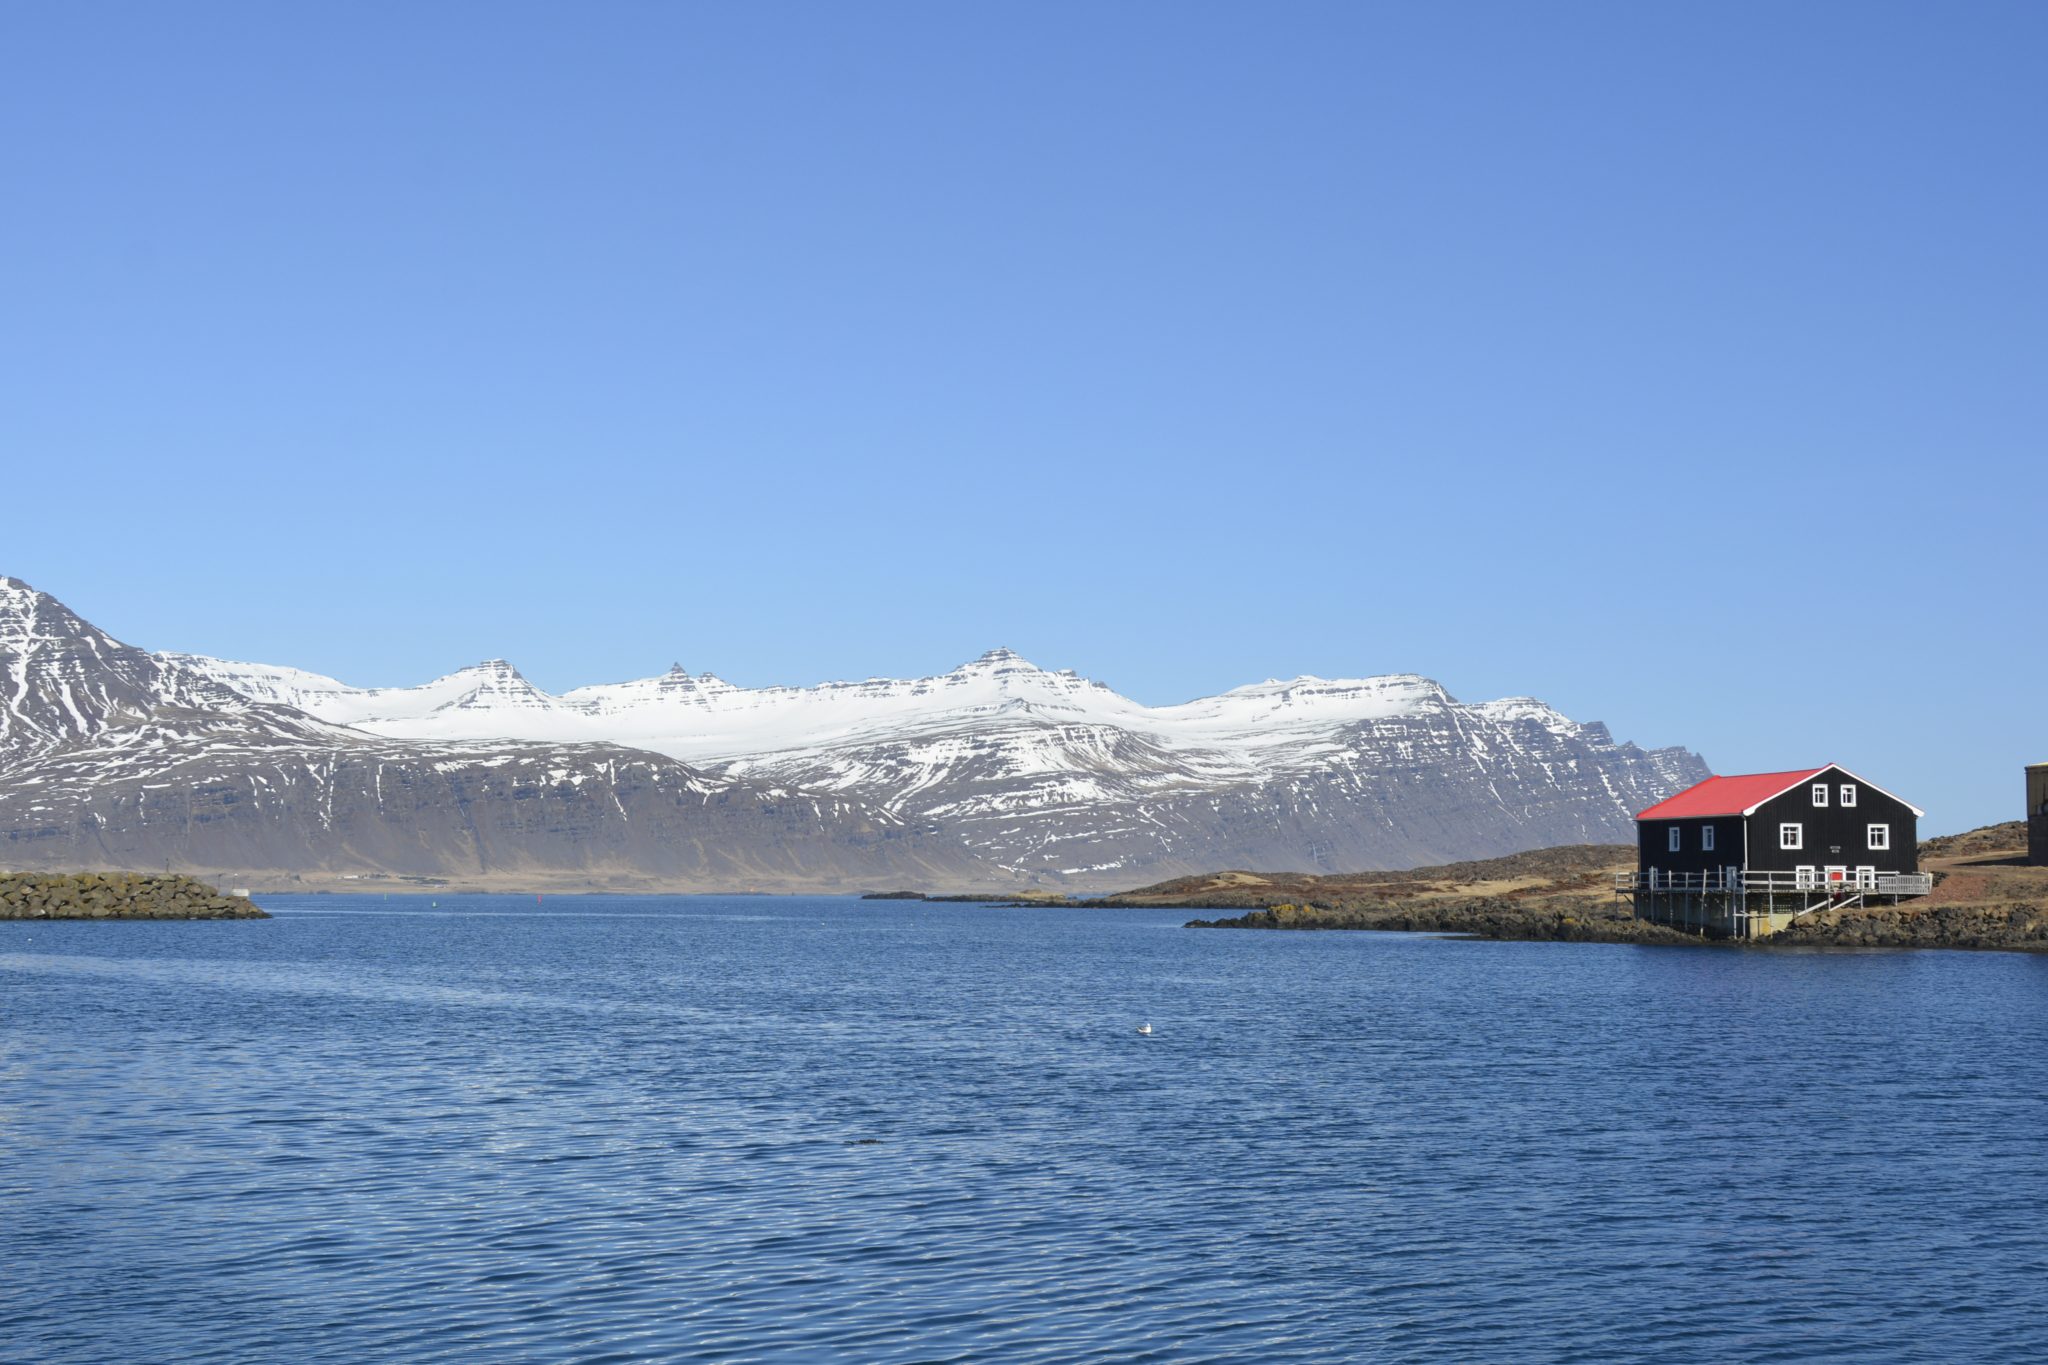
x: 998, y: 774
x: 114, y: 758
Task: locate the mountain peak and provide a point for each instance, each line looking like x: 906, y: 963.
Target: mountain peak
x: 18, y: 598
x: 495, y: 684
x: 70, y: 681
x: 998, y: 658
x: 1391, y: 686
x: 1517, y: 709
x: 28, y: 615
x: 484, y: 672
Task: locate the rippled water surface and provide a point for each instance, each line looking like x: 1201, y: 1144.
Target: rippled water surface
x: 792, y: 1129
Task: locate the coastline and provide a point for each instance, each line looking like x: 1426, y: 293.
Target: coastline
x: 1985, y: 898
x: 1982, y: 928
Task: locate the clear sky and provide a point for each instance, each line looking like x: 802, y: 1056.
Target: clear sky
x: 1686, y: 366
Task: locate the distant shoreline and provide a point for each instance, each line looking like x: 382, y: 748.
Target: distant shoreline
x: 1985, y: 899
x: 1967, y: 928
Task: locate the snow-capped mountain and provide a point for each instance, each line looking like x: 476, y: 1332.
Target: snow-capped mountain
x: 1245, y: 733
x: 66, y: 683
x: 998, y: 772
x: 111, y: 757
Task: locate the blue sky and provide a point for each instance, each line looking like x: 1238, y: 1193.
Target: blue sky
x: 1683, y: 366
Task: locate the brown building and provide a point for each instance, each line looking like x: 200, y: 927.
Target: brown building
x: 2037, y: 814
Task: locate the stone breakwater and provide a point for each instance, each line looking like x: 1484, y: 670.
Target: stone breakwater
x: 116, y: 895
x: 1487, y: 917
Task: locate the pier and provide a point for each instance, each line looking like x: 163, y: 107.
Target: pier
x: 1738, y: 903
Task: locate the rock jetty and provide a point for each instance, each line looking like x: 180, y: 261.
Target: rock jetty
x: 116, y: 895
x: 1490, y: 917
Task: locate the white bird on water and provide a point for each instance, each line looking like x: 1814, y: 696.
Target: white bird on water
x: 1144, y: 1028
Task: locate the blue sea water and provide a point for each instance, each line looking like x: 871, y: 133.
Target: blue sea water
x: 735, y: 1129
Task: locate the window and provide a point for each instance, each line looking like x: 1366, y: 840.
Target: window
x: 1791, y: 836
x: 1880, y: 836
x: 1820, y: 796
x: 1671, y: 839
x: 1848, y: 793
x: 1706, y: 838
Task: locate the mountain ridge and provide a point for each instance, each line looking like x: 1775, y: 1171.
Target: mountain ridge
x: 996, y: 774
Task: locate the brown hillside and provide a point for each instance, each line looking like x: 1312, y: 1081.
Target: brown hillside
x: 2009, y: 839
x: 1576, y: 869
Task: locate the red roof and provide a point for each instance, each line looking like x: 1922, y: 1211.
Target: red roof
x: 1726, y: 795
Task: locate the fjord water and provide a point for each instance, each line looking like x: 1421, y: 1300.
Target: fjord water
x: 608, y: 1128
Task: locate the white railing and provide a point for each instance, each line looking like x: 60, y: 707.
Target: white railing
x: 1831, y: 882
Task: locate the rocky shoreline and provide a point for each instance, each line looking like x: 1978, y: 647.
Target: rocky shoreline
x: 117, y: 895
x: 1997, y: 928
x: 1494, y: 918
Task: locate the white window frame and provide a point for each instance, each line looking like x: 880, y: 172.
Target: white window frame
x: 1820, y: 794
x: 1805, y: 876
x: 1672, y: 840
x: 1791, y: 835
x: 1706, y: 838
x: 1878, y: 837
x: 1848, y: 795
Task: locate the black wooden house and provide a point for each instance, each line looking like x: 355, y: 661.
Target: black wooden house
x: 1747, y: 854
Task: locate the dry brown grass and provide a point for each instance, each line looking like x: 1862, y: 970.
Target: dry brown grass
x: 1575, y: 871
